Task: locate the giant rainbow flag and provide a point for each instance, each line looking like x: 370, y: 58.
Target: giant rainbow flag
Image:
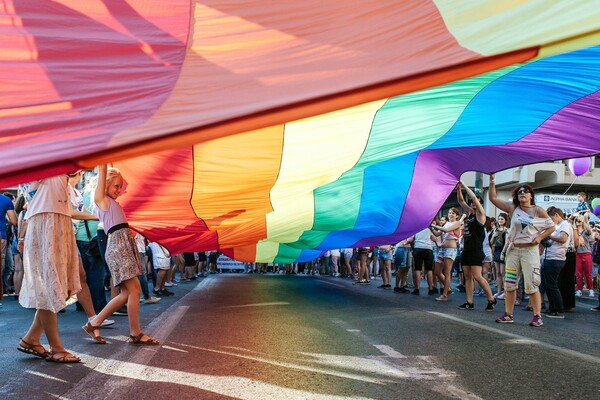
x: 275, y: 130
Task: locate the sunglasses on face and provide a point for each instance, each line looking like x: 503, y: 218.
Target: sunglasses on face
x: 523, y: 191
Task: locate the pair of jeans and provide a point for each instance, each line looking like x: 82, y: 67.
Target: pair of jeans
x: 550, y: 277
x: 143, y: 280
x: 95, y: 273
x: 102, y: 241
x: 9, y: 266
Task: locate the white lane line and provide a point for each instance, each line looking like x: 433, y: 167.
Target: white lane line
x: 284, y: 364
x: 388, y: 351
x: 521, y: 339
x: 225, y: 385
x: 353, y: 330
x: 40, y: 374
x: 332, y: 284
x: 164, y: 346
x: 275, y: 303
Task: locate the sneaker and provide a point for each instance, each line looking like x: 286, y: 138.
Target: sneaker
x: 466, y: 306
x: 578, y: 293
x: 595, y: 308
x: 165, y: 292
x: 528, y: 308
x: 382, y: 286
x: 152, y: 300
x: 416, y: 292
x: 121, y: 311
x: 554, y: 315
x: 491, y: 305
x: 397, y: 289
x: 108, y: 322
x: 591, y: 293
x: 441, y: 298
x: 536, y: 321
x: 169, y: 284
x: 500, y: 296
x: 505, y: 318
x: 461, y: 288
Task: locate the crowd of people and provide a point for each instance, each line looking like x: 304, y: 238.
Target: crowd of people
x: 525, y: 254
x: 61, y: 245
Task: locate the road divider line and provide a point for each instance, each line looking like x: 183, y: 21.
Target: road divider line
x: 520, y: 339
x: 46, y: 376
x: 274, y: 303
x: 294, y: 366
x: 388, y: 351
x: 332, y: 284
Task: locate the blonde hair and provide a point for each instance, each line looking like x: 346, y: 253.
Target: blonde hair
x: 112, y: 173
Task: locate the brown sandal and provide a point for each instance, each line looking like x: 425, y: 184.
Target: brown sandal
x: 137, y: 339
x: 67, y: 358
x: 29, y: 348
x: 89, y: 329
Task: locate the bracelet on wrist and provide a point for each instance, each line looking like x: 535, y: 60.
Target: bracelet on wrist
x: 21, y: 239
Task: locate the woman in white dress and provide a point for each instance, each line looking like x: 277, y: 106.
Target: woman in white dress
x: 51, y: 266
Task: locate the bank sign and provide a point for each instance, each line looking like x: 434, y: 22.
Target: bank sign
x: 566, y: 203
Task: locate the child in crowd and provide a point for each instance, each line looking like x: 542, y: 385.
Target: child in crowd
x: 122, y: 258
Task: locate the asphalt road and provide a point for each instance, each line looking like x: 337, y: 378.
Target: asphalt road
x: 234, y: 336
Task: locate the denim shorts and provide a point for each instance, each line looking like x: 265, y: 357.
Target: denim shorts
x: 446, y: 252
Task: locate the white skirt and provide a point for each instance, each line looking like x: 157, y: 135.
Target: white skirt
x: 50, y: 263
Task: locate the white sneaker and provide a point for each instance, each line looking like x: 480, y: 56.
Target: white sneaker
x: 500, y: 296
x: 578, y: 293
x: 107, y: 322
x: 153, y: 300
x: 169, y: 284
x: 591, y: 293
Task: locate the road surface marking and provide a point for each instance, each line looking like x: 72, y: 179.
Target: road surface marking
x: 46, y: 376
x: 275, y: 303
x: 333, y: 284
x: 295, y: 366
x: 164, y: 346
x: 521, y: 339
x: 388, y: 351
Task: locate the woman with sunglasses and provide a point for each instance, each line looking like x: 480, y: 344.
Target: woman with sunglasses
x: 530, y: 225
x: 473, y: 255
x: 582, y: 233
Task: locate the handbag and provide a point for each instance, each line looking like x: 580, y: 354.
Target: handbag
x: 94, y: 247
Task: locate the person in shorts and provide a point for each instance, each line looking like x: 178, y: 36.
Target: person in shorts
x: 423, y: 259
x: 530, y: 224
